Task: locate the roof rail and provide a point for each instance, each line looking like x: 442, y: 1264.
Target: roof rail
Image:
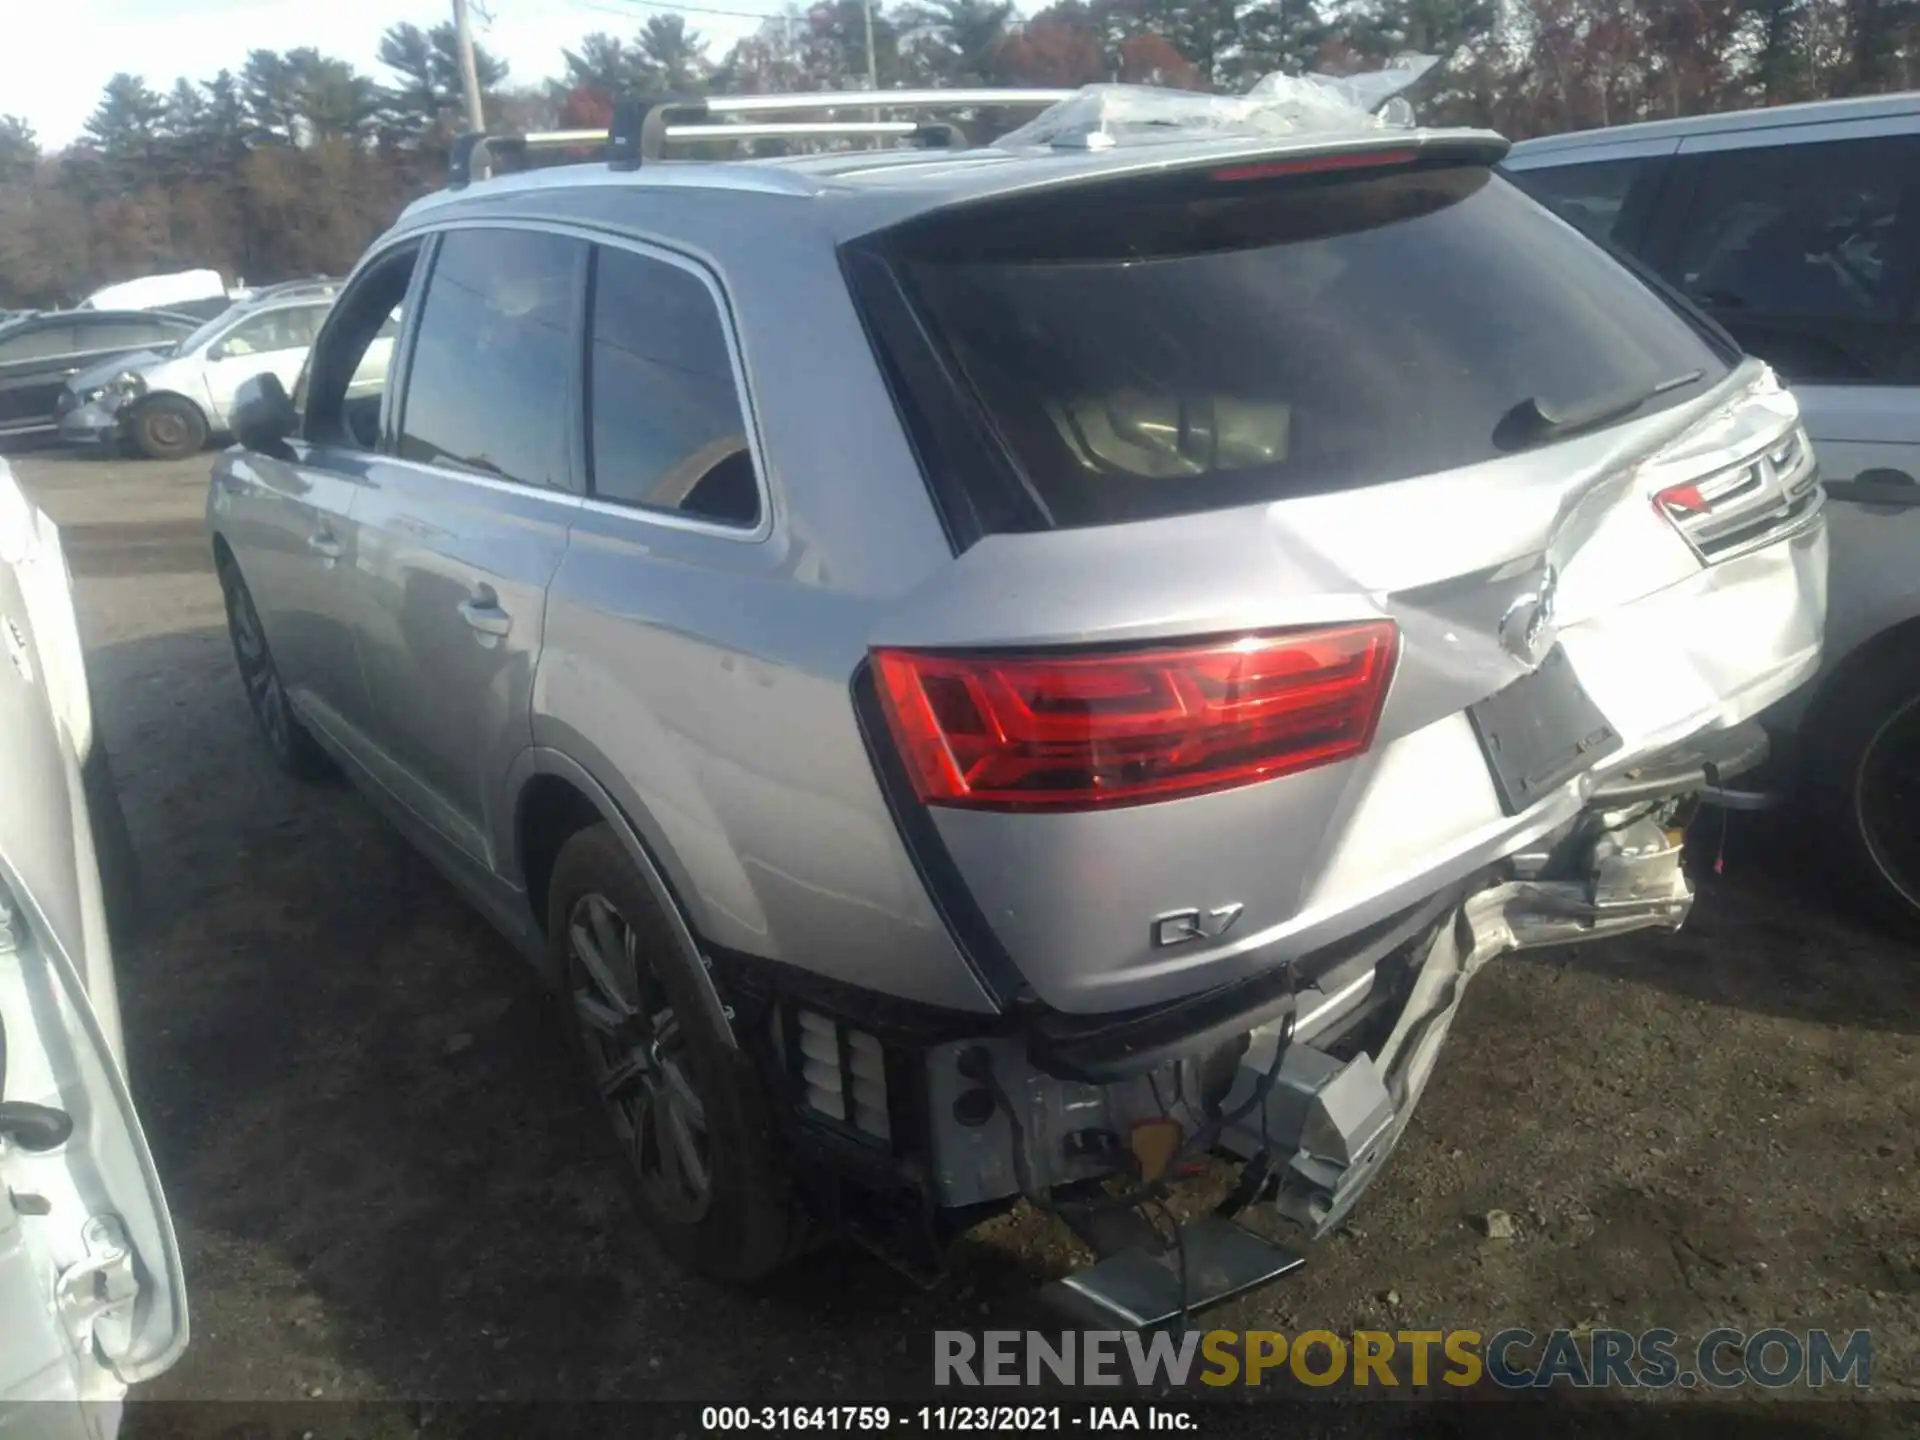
x: 642, y: 129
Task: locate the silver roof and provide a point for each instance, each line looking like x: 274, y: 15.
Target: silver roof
x: 860, y: 191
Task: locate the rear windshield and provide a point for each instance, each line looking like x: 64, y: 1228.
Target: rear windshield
x: 1267, y: 339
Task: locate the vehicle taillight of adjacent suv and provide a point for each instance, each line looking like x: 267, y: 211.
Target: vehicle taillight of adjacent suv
x: 1006, y: 672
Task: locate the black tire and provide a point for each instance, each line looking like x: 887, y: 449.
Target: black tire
x: 747, y: 1223
x: 168, y: 428
x: 1862, y: 773
x: 293, y: 749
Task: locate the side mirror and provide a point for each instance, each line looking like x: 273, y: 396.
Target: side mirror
x: 263, y: 416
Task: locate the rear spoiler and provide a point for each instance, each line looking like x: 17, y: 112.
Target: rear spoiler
x: 1250, y: 158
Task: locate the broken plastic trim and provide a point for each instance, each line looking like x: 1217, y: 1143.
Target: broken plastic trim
x: 1101, y: 117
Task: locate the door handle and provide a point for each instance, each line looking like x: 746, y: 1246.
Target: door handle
x: 324, y: 545
x: 1877, y: 487
x: 485, y: 617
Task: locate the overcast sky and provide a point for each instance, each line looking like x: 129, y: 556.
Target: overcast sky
x: 51, y: 75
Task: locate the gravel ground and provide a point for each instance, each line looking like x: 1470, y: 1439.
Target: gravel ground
x: 386, y: 1187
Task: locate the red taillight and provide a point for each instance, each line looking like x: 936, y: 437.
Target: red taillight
x: 1076, y: 732
x: 1317, y: 164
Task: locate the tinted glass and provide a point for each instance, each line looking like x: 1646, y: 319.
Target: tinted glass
x: 206, y: 308
x: 38, y: 344
x: 488, y: 389
x: 1805, y: 252
x: 1590, y: 197
x: 206, y: 330
x: 1191, y: 353
x: 275, y: 330
x: 127, y: 335
x: 667, y: 428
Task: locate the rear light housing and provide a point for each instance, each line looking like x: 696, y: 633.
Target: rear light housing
x: 1062, y: 731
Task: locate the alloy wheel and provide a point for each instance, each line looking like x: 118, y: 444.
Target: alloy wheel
x: 637, y: 1059
x: 264, y: 691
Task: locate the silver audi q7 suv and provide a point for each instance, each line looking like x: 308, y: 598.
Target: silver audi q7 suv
x: 1016, y: 671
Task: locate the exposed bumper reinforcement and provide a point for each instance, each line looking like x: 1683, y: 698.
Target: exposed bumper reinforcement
x: 1330, y: 1127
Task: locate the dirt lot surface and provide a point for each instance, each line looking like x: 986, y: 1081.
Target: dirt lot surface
x: 386, y: 1186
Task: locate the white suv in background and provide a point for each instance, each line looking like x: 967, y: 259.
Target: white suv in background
x: 1798, y: 229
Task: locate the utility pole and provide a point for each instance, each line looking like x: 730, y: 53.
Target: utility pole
x: 873, y: 68
x: 469, y: 77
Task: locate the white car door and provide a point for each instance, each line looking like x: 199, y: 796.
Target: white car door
x: 91, y: 1295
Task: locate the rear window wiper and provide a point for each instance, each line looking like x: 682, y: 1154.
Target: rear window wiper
x: 1534, y: 420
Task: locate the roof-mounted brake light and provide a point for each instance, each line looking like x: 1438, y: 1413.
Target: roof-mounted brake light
x: 1317, y: 164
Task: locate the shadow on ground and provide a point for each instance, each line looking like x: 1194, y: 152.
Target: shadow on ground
x: 371, y: 1135
x: 1770, y: 934
x: 387, y: 1185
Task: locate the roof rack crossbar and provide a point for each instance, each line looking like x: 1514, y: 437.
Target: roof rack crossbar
x: 642, y: 129
x: 808, y: 130
x: 880, y: 100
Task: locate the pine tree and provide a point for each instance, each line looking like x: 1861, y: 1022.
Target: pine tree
x: 1204, y: 34
x: 832, y: 45
x: 1282, y: 35
x: 128, y: 120
x: 1781, y: 68
x: 1380, y: 29
x: 672, y: 59
x: 1875, y: 29
x: 332, y: 99
x: 955, y: 42
x: 19, y: 150
x: 429, y: 101
x: 269, y: 93
x: 604, y: 63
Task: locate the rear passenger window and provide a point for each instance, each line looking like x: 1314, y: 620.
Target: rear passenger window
x: 38, y: 344
x: 488, y: 387
x: 127, y: 335
x: 666, y: 425
x: 1589, y: 197
x: 1805, y: 253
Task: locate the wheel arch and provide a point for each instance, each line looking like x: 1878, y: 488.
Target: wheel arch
x: 555, y: 797
x: 143, y: 401
x: 1903, y: 636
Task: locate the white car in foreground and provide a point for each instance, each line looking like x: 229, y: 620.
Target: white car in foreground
x: 91, y: 1297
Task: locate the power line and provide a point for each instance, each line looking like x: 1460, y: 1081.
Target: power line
x: 672, y: 5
